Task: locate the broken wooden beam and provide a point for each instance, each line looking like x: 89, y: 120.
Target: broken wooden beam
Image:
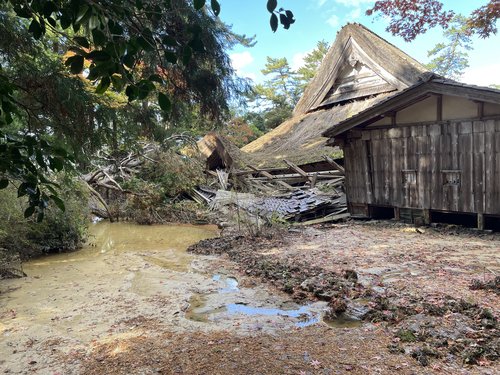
x: 313, y: 180
x: 325, y: 219
x: 271, y: 177
x: 261, y: 172
x: 334, y: 164
x: 297, y: 169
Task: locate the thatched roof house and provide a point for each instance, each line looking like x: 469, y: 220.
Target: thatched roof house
x: 359, y: 70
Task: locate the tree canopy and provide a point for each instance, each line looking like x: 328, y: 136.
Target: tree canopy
x: 410, y: 18
x: 273, y: 101
x: 80, y: 71
x: 450, y: 58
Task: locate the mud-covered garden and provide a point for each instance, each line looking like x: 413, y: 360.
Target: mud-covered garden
x: 168, y: 207
x: 357, y: 297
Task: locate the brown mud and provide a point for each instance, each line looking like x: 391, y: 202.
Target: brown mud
x: 134, y: 302
x: 420, y: 284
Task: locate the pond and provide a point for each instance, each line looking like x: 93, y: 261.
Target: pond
x: 127, y: 278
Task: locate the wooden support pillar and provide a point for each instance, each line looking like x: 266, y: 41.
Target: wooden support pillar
x: 480, y: 221
x: 397, y: 213
x: 439, y: 107
x: 427, y: 216
x: 480, y: 110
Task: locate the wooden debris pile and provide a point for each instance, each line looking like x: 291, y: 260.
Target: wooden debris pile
x: 306, y: 206
x: 106, y: 180
x: 291, y: 193
x: 328, y: 178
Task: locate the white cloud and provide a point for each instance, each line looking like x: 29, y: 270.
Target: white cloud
x: 333, y: 21
x: 241, y: 60
x: 298, y: 60
x: 321, y: 2
x: 483, y: 76
x: 354, y: 14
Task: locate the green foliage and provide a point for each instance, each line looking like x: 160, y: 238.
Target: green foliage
x: 24, y: 161
x: 166, y: 178
x: 155, y: 193
x: 273, y: 101
x: 312, y: 62
x: 277, y: 96
x: 59, y: 231
x: 450, y: 58
x: 126, y: 50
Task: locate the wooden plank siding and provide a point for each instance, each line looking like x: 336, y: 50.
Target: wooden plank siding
x: 448, y: 166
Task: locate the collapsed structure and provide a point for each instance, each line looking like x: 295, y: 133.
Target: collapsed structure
x: 359, y: 70
x: 416, y: 146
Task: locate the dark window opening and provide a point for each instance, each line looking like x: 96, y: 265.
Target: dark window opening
x: 492, y: 223
x: 458, y: 218
x: 381, y: 212
x: 412, y: 215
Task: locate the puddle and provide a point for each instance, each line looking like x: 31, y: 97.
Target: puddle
x: 232, y: 303
x: 230, y: 284
x: 199, y: 311
x: 343, y: 322
x: 303, y: 316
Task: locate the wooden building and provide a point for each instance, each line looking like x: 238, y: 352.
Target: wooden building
x: 431, y: 152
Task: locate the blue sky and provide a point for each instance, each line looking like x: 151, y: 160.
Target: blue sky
x: 321, y: 19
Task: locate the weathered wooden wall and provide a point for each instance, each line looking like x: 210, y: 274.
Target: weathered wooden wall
x: 447, y: 166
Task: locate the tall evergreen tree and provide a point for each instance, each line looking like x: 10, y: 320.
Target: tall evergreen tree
x: 450, y: 58
x: 312, y: 62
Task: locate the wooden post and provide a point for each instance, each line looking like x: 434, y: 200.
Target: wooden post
x: 439, y: 108
x: 480, y: 221
x: 397, y: 213
x: 427, y: 216
x: 480, y: 110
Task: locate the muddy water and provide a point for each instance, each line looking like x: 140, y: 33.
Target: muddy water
x: 127, y: 281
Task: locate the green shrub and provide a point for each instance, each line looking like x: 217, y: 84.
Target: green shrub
x: 59, y: 231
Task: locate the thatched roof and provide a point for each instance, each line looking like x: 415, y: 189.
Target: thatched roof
x: 360, y: 70
x: 300, y: 139
x: 220, y: 152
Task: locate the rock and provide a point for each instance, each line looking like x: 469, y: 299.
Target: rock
x: 351, y: 275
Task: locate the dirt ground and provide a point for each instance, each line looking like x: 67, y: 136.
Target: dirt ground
x: 426, y: 299
x: 436, y: 291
